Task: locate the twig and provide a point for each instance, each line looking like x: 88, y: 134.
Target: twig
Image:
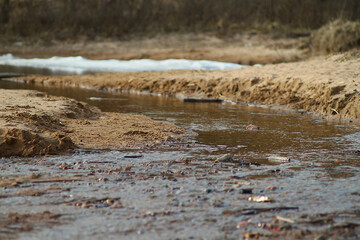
x: 285, y: 219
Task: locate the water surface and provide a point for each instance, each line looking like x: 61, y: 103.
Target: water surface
x: 223, y: 126
x: 179, y: 190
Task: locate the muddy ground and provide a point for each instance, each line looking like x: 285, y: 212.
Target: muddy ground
x: 173, y: 190
x: 161, y: 195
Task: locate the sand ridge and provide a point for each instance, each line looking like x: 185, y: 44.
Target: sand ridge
x: 328, y: 85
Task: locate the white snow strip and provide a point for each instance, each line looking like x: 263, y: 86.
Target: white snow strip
x: 80, y: 65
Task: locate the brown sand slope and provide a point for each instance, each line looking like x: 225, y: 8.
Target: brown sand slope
x: 32, y: 123
x: 328, y: 86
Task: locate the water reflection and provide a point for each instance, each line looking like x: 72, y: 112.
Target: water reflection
x: 299, y: 137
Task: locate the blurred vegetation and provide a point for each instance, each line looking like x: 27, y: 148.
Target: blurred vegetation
x: 336, y: 36
x: 68, y: 19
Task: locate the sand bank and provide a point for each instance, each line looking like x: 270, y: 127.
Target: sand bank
x: 33, y: 123
x: 327, y: 86
x: 246, y: 48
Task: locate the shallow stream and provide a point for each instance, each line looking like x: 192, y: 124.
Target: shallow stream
x: 180, y: 192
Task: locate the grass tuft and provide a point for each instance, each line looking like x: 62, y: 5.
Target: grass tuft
x: 337, y: 36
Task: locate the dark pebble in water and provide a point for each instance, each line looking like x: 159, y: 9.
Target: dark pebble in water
x: 203, y: 100
x: 247, y: 190
x: 255, y: 164
x: 217, y: 203
x: 209, y: 190
x: 353, y: 152
x: 102, y: 205
x: 133, y: 156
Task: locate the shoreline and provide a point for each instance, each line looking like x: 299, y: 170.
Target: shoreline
x: 34, y: 123
x: 326, y: 86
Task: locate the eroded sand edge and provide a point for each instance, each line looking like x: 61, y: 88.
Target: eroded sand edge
x: 327, y: 86
x: 33, y: 123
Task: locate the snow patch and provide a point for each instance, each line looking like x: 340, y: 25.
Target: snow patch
x: 81, y: 65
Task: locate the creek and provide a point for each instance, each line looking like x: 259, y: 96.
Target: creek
x: 321, y: 179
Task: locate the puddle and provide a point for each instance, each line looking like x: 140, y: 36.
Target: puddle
x: 180, y: 191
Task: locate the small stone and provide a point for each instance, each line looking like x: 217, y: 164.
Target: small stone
x: 225, y: 158
x: 103, y: 179
x: 209, y: 190
x: 261, y: 199
x: 109, y: 201
x: 127, y: 168
x: 278, y: 159
x: 252, y: 127
x: 217, y: 203
x: 133, y: 156
x: 85, y: 205
x: 116, y: 204
x: 247, y: 190
x: 34, y: 176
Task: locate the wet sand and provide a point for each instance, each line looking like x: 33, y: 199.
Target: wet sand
x: 327, y: 86
x: 184, y: 193
x: 160, y: 195
x: 33, y: 123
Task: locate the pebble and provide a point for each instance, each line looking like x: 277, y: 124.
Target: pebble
x: 252, y: 127
x: 133, y: 156
x: 261, y: 199
x: 225, y: 158
x: 247, y: 190
x: 208, y: 190
x: 278, y: 159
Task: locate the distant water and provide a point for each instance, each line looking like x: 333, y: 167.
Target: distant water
x: 81, y: 65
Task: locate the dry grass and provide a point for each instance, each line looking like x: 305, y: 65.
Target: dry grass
x: 338, y: 35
